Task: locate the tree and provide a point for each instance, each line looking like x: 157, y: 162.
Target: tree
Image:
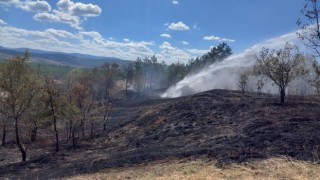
x: 281, y: 66
x: 53, y: 101
x: 20, y: 86
x: 108, y: 74
x: 216, y: 54
x: 310, y: 27
x: 128, y: 74
x: 175, y: 73
x: 243, y: 81
x: 4, y: 120
x: 315, y: 82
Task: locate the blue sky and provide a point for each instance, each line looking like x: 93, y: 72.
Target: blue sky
x: 173, y: 30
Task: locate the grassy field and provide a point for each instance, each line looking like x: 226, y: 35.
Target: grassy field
x: 274, y: 168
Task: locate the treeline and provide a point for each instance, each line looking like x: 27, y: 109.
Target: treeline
x: 79, y: 104
x: 149, y: 74
x: 30, y: 101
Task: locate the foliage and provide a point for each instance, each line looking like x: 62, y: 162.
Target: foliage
x: 281, y: 66
x: 310, y: 27
x: 19, y: 88
x: 216, y: 54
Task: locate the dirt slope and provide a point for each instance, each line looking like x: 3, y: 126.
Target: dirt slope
x: 220, y: 124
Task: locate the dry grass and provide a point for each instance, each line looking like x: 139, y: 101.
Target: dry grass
x: 274, y: 168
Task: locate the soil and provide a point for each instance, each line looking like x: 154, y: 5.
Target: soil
x: 224, y: 125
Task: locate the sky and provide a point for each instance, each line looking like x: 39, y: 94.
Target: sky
x: 173, y: 30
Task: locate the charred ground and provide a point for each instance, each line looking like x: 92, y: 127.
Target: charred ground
x: 223, y: 125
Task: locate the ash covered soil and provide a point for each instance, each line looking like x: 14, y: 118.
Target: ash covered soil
x: 219, y: 124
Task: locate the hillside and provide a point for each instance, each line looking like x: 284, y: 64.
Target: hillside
x: 220, y: 126
x: 58, y: 58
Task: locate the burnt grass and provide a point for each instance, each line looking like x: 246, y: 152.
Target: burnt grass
x: 223, y: 125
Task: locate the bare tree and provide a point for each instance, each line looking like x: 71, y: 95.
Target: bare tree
x: 309, y: 25
x: 281, y: 66
x: 52, y: 99
x: 128, y: 74
x: 315, y: 81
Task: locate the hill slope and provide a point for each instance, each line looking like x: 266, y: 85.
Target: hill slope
x: 58, y: 58
x: 222, y: 125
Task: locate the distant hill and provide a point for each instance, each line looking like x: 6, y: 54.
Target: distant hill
x: 59, y: 58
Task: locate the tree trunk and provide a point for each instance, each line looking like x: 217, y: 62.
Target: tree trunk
x: 92, y: 126
x: 82, y: 129
x: 73, y: 139
x: 33, y: 134
x: 56, y: 133
x: 4, y: 133
x: 22, y: 150
x: 67, y: 129
x: 54, y: 124
x: 70, y: 130
x: 282, y: 94
x: 75, y: 134
x: 104, y: 122
x: 127, y: 86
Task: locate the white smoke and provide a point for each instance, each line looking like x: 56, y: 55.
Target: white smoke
x: 225, y: 74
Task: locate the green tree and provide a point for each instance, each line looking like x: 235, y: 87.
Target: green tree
x: 281, y: 66
x: 35, y: 118
x: 216, y: 54
x: 175, y: 73
x: 20, y: 86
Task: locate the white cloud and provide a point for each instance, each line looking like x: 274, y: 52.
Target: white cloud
x: 28, y: 5
x: 216, y: 38
x: 35, y: 6
x: 79, y: 9
x: 60, y: 33
x: 2, y: 22
x: 175, y: 54
x: 185, y: 42
x: 179, y: 26
x: 126, y: 40
x: 45, y: 17
x: 166, y: 46
x: 64, y: 5
x: 175, y: 2
x: 68, y: 12
x: 9, y: 2
x: 90, y: 42
x: 59, y: 17
x: 165, y: 35
x: 87, y: 10
x: 197, y: 51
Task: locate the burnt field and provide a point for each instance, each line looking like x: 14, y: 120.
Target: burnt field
x: 223, y: 125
